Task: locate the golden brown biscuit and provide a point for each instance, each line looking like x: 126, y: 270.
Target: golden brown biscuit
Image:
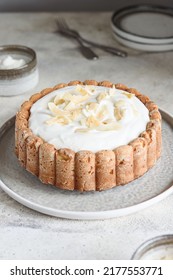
x: 65, y: 169
x: 105, y: 170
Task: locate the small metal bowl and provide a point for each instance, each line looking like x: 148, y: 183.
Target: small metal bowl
x: 157, y: 248
x: 22, y: 79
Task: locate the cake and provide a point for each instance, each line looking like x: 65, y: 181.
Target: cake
x: 88, y: 136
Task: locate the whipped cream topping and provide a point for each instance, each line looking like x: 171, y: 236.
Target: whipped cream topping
x: 8, y: 62
x: 88, y: 118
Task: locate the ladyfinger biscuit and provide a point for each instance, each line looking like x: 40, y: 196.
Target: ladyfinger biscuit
x: 155, y: 114
x: 105, y: 84
x: 47, y: 163
x: 91, y: 82
x: 32, y: 154
x: 143, y: 98
x: 46, y: 91
x: 151, y: 106
x: 121, y: 87
x: 20, y: 123
x: 85, y: 171
x: 61, y: 85
x: 150, y: 136
x: 124, y: 164
x: 24, y: 113
x: 134, y: 91
x: 65, y: 165
x: 74, y: 83
x: 156, y: 124
x: 20, y: 119
x: 22, y: 135
x: 35, y: 97
x: 105, y: 170
x: 27, y: 105
x: 139, y: 146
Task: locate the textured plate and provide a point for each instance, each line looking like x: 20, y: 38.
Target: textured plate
x: 155, y: 185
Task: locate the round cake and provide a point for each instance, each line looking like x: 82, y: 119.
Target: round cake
x: 88, y: 136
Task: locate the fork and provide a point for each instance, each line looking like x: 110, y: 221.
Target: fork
x: 65, y: 30
x: 86, y: 51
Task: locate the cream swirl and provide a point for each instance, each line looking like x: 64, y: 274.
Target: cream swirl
x: 88, y: 118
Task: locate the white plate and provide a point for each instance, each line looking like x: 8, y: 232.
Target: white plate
x: 142, y: 46
x: 150, y: 24
x: 155, y: 185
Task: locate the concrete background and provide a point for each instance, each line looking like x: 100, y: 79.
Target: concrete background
x: 72, y: 5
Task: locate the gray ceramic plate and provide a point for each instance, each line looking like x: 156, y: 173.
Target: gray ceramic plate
x: 148, y: 24
x: 155, y: 185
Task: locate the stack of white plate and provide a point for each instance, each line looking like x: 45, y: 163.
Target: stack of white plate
x: 144, y: 27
